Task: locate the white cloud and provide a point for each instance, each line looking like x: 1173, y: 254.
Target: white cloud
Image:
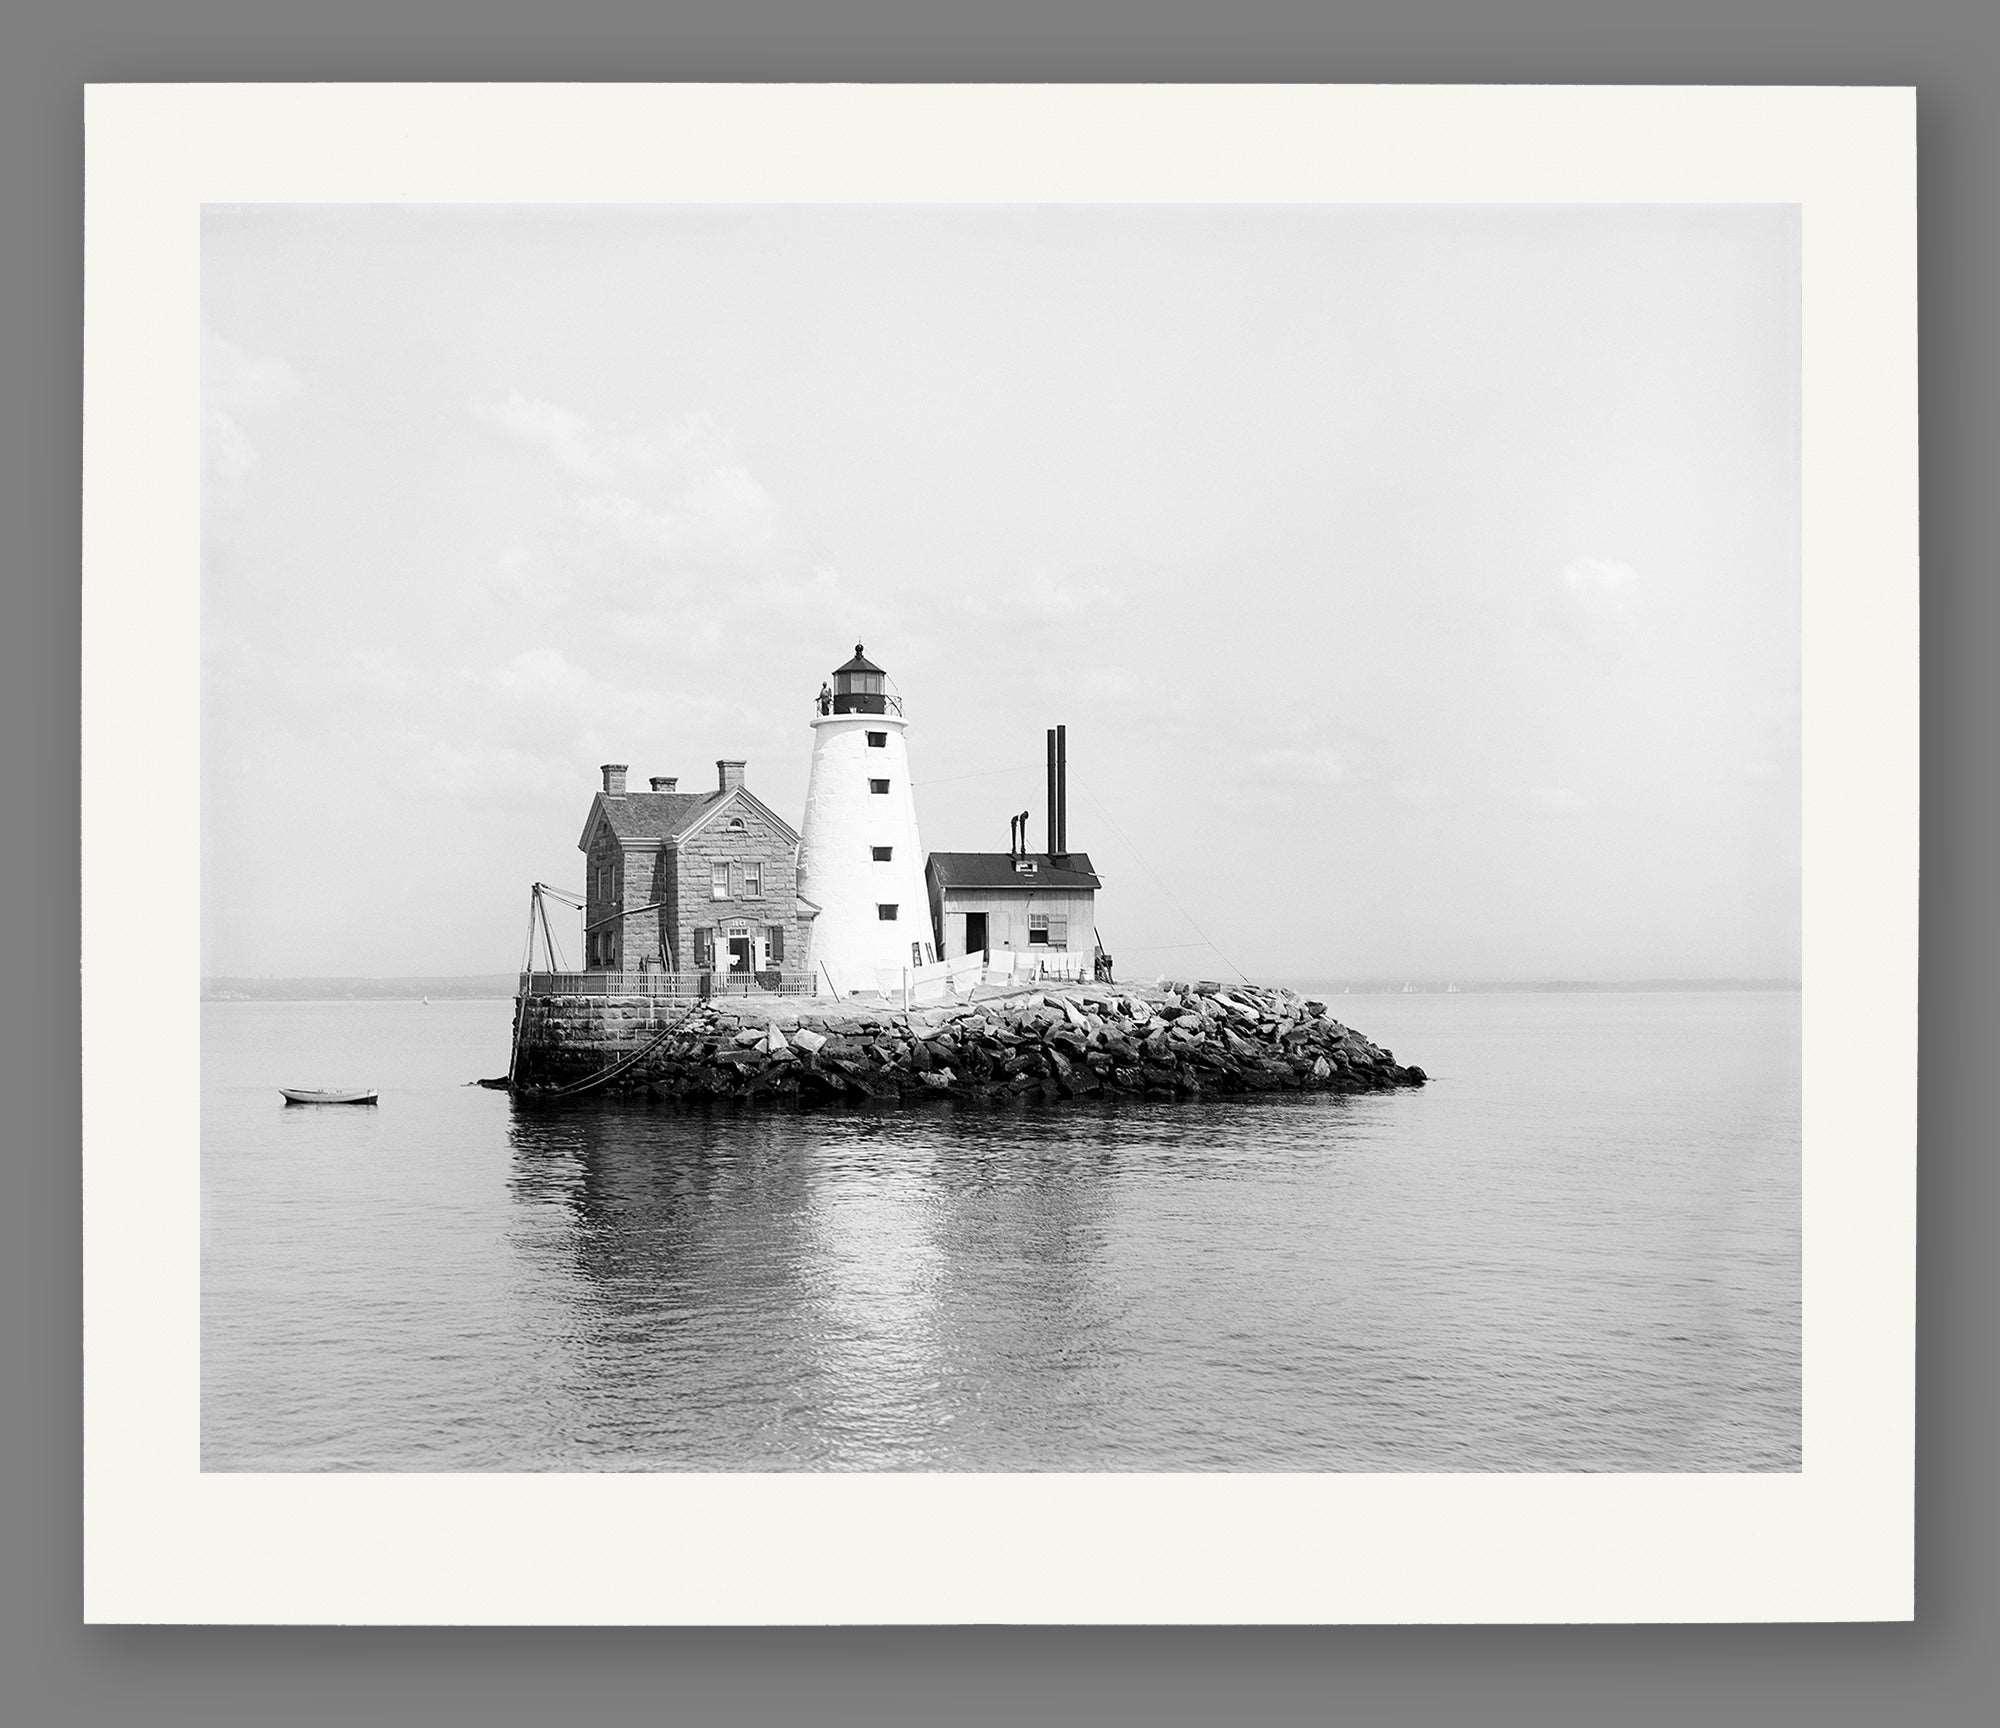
x: 674, y: 495
x: 608, y: 456
x: 722, y: 514
x: 1320, y: 765
x: 1042, y: 597
x: 1602, y: 587
x: 238, y: 389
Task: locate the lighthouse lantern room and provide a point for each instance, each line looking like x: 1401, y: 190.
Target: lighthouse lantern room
x: 861, y: 860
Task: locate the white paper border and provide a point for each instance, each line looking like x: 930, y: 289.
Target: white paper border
x: 163, y: 1542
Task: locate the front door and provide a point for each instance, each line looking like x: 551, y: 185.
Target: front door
x: 975, y: 932
x: 742, y: 955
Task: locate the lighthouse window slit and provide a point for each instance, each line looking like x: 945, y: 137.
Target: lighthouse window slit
x: 878, y: 785
x: 878, y: 740
x: 886, y: 911
x: 882, y: 853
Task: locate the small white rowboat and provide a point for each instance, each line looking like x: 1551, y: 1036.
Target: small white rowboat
x: 300, y: 1095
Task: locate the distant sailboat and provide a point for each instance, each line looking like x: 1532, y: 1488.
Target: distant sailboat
x: 1409, y: 989
x: 1453, y: 990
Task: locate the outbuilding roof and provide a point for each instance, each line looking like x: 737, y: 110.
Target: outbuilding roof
x: 997, y: 870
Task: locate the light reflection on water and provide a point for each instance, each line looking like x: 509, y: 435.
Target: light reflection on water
x: 1578, y: 1250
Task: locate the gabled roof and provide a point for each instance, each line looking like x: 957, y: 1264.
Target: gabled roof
x: 644, y: 815
x: 670, y: 817
x: 996, y: 870
x: 717, y: 802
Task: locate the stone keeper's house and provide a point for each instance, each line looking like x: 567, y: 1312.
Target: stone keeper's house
x: 692, y: 881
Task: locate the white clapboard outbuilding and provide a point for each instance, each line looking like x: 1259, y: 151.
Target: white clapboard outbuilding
x: 1021, y: 905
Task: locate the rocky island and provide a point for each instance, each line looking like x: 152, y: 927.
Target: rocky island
x: 1042, y: 1043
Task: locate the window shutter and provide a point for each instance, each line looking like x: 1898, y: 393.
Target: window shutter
x: 777, y: 944
x: 1058, y: 932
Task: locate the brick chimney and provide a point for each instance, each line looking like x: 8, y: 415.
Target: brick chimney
x: 664, y: 782
x: 614, y: 779
x: 729, y: 775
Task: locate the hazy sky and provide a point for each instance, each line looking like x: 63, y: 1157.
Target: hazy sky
x: 1419, y: 585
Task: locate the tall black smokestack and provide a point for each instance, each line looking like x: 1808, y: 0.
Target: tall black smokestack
x: 1062, y: 791
x: 1052, y: 789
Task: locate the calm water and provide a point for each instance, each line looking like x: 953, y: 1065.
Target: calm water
x: 1577, y: 1250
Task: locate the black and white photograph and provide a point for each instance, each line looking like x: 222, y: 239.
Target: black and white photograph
x: 1150, y: 839
x: 1182, y: 832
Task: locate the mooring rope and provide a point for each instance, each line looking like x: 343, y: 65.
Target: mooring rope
x: 604, y: 1076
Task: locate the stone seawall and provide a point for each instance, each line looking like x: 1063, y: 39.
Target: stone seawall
x: 1048, y: 1042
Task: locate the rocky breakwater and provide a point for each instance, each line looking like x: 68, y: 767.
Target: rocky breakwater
x: 1045, y: 1044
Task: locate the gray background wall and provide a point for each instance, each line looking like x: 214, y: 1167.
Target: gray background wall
x: 53, y: 1670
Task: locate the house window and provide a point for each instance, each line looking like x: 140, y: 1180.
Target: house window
x: 718, y: 882
x: 753, y: 881
x: 878, y: 740
x: 1038, y: 929
x: 887, y: 913
x: 736, y: 825
x: 878, y: 785
x: 882, y: 853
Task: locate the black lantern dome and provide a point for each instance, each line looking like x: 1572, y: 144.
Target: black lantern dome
x: 859, y: 687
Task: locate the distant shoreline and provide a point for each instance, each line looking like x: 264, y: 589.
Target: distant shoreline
x: 500, y: 986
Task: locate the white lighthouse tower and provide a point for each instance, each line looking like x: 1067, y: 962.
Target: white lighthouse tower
x: 860, y: 861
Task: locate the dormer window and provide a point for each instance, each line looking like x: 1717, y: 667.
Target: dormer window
x: 1025, y: 866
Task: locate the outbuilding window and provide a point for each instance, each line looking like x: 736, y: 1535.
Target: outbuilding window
x: 1038, y: 929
